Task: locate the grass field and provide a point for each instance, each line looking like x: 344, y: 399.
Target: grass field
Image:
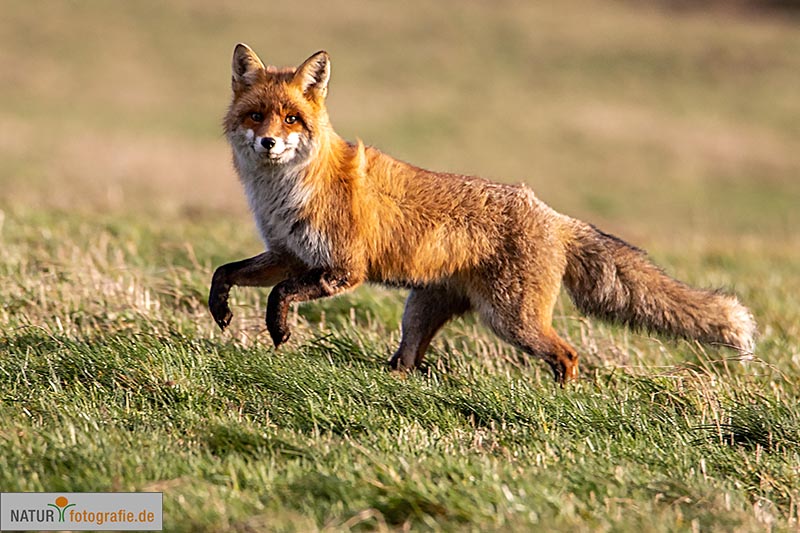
x: 677, y: 130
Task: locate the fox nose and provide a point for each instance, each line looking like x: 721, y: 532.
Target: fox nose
x: 268, y: 142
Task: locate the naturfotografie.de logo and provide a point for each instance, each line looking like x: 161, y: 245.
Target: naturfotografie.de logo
x: 80, y: 511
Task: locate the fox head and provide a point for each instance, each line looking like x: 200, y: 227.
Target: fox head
x: 277, y: 116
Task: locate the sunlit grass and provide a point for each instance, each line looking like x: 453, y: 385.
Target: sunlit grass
x: 115, y: 378
x: 676, y: 130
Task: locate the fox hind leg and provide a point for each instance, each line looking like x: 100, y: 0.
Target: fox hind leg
x: 540, y: 341
x: 427, y: 310
x: 522, y: 315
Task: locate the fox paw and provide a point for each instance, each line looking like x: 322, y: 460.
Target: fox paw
x: 280, y: 333
x: 218, y: 306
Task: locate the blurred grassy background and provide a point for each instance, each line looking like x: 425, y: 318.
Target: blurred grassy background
x: 653, y: 123
x: 675, y: 125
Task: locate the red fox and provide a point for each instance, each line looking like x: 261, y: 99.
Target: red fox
x: 335, y: 214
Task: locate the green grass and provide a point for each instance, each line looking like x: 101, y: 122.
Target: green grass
x: 324, y: 432
x: 131, y: 388
x: 676, y: 130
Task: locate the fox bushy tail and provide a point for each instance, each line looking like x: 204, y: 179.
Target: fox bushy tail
x: 612, y: 280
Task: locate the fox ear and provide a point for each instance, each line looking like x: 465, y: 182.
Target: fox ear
x: 247, y: 67
x: 313, y: 75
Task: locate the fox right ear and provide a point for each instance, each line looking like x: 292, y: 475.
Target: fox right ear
x: 247, y: 68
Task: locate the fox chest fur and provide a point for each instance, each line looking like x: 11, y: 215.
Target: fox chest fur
x: 279, y: 199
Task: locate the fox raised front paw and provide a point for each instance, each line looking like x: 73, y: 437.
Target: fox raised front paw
x: 218, y: 305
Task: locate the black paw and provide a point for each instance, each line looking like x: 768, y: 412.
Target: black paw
x: 279, y: 332
x: 218, y: 305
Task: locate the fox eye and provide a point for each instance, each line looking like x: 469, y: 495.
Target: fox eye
x: 257, y: 117
x: 291, y: 119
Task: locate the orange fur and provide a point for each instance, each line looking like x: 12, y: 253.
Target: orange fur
x: 334, y: 214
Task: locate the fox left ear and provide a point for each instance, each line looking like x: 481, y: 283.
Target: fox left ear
x: 313, y: 75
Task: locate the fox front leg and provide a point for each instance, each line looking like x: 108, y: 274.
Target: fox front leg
x: 315, y: 284
x: 263, y: 270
